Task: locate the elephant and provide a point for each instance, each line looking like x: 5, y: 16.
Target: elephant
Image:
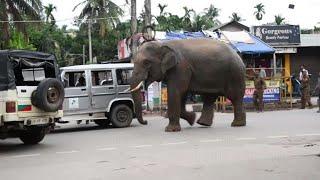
x: 207, y: 67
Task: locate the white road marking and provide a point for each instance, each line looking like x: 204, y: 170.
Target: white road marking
x: 67, y: 152
x: 246, y: 139
x: 107, y: 149
x: 173, y: 143
x: 315, y: 134
x: 142, y: 146
x: 25, y: 155
x: 275, y: 137
x: 211, y: 140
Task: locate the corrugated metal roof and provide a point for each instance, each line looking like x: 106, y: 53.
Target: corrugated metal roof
x: 310, y: 40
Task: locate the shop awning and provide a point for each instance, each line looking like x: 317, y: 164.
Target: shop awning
x: 183, y: 35
x: 246, y: 43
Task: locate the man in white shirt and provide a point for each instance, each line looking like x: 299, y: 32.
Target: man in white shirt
x: 302, y: 69
x: 262, y: 73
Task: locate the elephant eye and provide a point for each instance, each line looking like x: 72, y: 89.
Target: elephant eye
x: 146, y: 63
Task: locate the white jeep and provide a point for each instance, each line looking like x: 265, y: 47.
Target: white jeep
x: 31, y: 95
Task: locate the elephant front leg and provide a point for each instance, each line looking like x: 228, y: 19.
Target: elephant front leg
x: 207, y: 111
x: 174, y: 110
x: 188, y: 116
x: 239, y: 114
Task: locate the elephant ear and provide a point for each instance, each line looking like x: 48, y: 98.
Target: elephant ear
x: 169, y: 59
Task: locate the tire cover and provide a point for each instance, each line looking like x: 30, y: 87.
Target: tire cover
x: 49, y: 95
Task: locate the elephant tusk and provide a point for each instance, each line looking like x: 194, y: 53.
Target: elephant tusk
x: 138, y: 87
x: 127, y: 90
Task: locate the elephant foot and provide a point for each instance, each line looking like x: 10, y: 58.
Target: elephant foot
x: 173, y: 128
x: 239, y: 121
x: 190, y: 117
x: 205, y: 122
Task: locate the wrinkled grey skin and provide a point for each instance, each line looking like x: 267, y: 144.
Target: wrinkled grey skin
x: 202, y: 66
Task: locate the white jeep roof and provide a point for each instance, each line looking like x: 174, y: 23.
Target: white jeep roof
x: 99, y: 66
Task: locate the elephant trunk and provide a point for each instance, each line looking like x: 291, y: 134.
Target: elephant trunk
x: 137, y: 98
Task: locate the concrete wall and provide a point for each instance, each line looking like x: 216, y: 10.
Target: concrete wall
x: 310, y: 57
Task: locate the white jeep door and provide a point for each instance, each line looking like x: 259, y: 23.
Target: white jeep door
x: 103, y: 89
x: 77, y: 92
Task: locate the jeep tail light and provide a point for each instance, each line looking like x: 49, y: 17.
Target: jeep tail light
x: 10, y: 107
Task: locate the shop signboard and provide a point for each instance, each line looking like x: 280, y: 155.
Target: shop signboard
x: 278, y: 35
x: 270, y: 94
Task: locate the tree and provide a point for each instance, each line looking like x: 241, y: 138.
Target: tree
x: 186, y: 19
x: 17, y: 41
x: 235, y: 17
x: 259, y: 11
x: 17, y: 11
x: 162, y: 19
x: 162, y: 7
x: 211, y: 12
x: 209, y: 19
x: 48, y: 13
x: 278, y: 19
x: 105, y: 12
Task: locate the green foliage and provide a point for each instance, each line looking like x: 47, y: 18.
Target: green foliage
x: 190, y: 21
x: 17, y: 10
x: 278, y: 19
x: 259, y: 11
x: 235, y: 17
x: 17, y: 41
x: 105, y: 12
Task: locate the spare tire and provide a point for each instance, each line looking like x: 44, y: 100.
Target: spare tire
x: 49, y: 95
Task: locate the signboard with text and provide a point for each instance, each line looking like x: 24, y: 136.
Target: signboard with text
x: 278, y: 35
x: 271, y: 94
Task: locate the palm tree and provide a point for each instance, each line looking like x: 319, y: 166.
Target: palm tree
x: 235, y: 17
x: 162, y: 7
x: 106, y: 12
x: 259, y: 11
x: 48, y: 12
x: 162, y: 19
x: 17, y: 11
x: 278, y: 19
x: 186, y: 19
x: 212, y: 12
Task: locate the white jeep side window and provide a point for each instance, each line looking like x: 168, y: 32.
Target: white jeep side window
x: 102, y: 78
x: 123, y: 76
x: 74, y: 79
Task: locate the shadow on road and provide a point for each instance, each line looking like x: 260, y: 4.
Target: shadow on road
x: 19, y: 147
x: 84, y: 128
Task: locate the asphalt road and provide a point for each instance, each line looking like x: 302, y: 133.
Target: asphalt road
x: 274, y: 145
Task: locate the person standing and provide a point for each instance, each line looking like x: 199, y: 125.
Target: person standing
x: 317, y: 90
x: 262, y: 73
x: 305, y: 86
x: 302, y: 69
x: 260, y: 86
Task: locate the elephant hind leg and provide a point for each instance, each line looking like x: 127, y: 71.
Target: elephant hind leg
x: 239, y: 113
x: 206, y: 117
x: 188, y: 116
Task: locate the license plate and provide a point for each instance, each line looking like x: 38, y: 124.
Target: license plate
x: 37, y: 121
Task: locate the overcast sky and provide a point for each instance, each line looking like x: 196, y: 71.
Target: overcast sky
x: 306, y: 12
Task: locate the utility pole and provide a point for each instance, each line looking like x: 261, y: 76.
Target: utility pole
x: 133, y: 27
x: 90, y: 42
x: 147, y: 19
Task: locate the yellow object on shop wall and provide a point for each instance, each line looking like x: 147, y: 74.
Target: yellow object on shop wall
x: 287, y: 70
x: 164, y: 96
